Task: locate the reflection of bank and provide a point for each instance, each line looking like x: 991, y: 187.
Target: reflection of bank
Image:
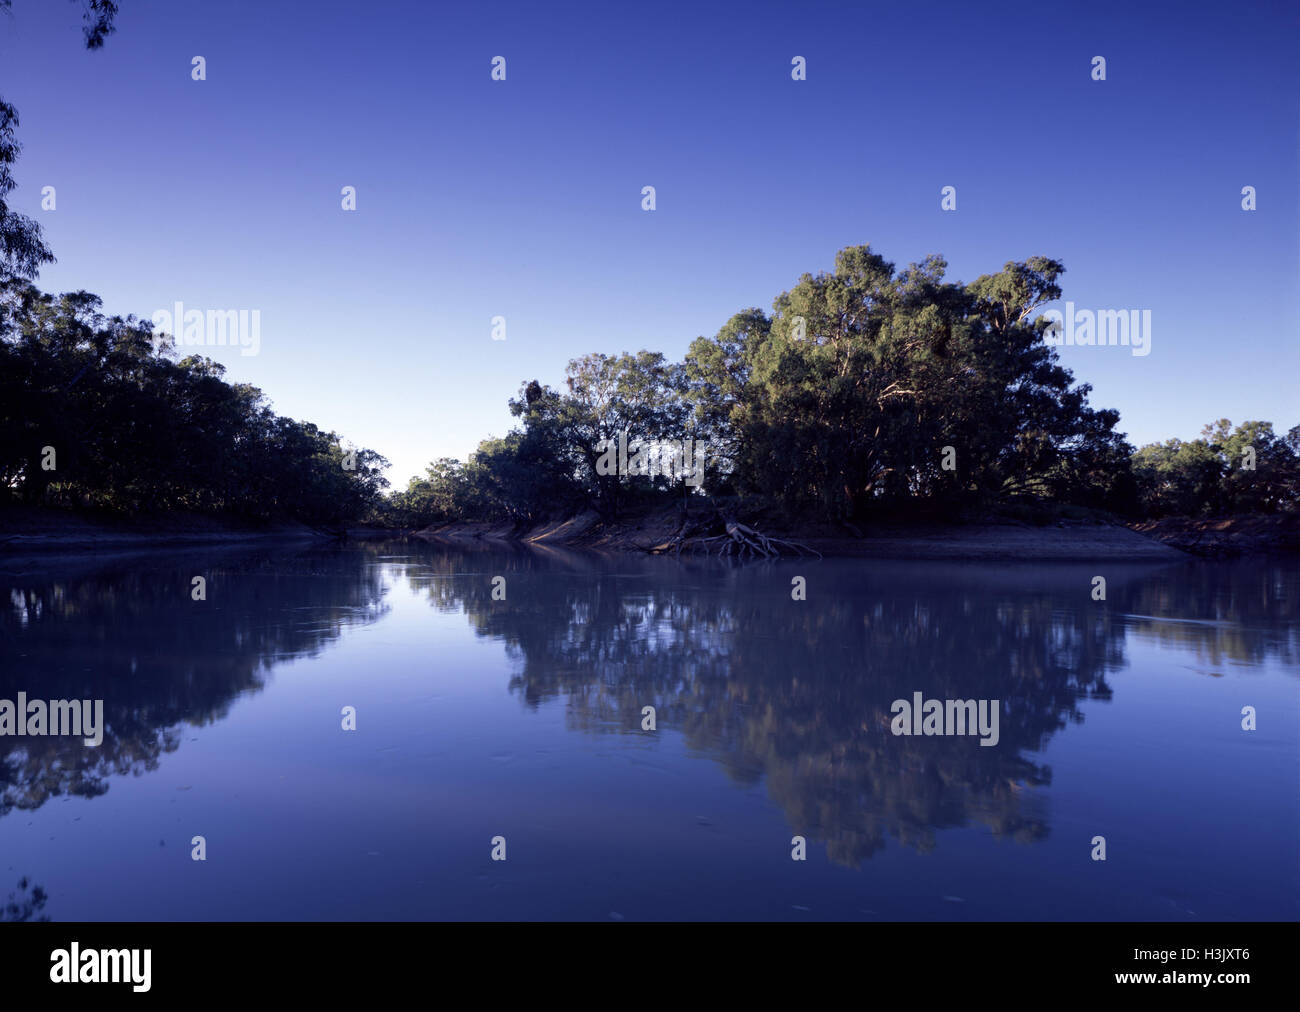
x: 800, y: 698
x: 154, y: 659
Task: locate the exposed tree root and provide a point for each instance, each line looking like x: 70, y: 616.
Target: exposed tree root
x: 739, y: 541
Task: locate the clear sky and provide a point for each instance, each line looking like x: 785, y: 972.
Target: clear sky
x: 522, y: 198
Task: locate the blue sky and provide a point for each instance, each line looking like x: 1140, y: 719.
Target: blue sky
x: 479, y: 198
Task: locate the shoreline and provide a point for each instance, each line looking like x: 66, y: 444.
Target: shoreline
x: 1062, y: 542
x: 34, y: 532
x: 38, y: 532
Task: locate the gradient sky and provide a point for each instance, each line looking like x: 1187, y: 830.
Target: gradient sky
x: 522, y: 198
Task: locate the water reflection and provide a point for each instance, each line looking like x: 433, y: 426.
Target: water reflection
x: 793, y: 695
x: 1243, y: 613
x: 130, y: 634
x: 26, y: 903
x: 798, y: 694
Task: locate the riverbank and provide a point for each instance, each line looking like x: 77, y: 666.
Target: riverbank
x: 1228, y: 536
x: 1061, y: 541
x: 38, y: 531
x: 25, y: 530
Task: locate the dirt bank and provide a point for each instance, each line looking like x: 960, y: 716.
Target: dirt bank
x: 1229, y: 536
x: 1063, y: 541
x: 26, y: 530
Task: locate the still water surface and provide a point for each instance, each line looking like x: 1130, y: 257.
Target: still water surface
x: 522, y: 718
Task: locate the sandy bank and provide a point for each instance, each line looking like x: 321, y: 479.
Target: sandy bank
x: 34, y: 530
x: 1060, y: 542
x: 1227, y: 536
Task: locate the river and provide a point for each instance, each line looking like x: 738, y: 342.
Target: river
x: 507, y: 718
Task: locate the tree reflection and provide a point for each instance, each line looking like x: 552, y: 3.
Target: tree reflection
x: 160, y: 661
x: 797, y: 694
x: 26, y: 904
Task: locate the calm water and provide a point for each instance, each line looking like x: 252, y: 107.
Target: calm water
x: 522, y: 718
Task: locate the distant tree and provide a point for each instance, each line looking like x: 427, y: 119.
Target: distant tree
x: 1259, y: 468
x: 1246, y: 469
x: 438, y: 496
x: 1178, y: 478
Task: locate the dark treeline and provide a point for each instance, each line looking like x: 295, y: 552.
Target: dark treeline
x: 95, y: 413
x: 866, y: 390
x: 1213, y: 474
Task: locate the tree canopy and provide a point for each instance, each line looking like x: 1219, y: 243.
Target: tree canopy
x: 866, y: 389
x: 95, y: 411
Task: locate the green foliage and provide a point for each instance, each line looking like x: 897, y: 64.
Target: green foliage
x: 132, y: 428
x: 836, y: 405
x: 1212, y: 475
x: 844, y: 399
x: 136, y: 430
